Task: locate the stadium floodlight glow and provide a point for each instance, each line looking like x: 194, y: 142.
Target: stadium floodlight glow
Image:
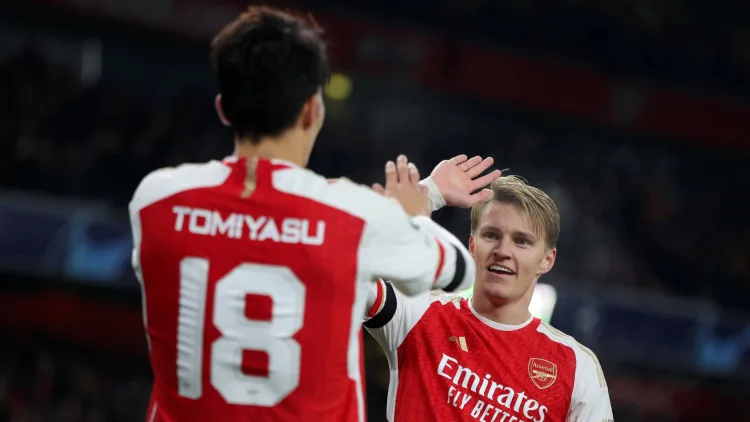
x: 339, y: 87
x: 542, y: 302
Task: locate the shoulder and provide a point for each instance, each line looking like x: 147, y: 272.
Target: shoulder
x: 587, y: 364
x: 343, y: 194
x: 165, y: 182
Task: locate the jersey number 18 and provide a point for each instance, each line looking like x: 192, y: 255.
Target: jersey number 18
x: 238, y: 333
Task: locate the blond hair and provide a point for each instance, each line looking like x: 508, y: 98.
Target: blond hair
x: 538, y: 206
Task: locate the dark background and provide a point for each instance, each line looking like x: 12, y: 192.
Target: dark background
x: 631, y: 114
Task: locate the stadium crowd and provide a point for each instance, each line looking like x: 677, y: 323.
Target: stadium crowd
x: 636, y: 212
x: 44, y: 383
x: 678, y: 43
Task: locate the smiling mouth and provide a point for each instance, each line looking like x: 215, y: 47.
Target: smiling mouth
x: 500, y: 270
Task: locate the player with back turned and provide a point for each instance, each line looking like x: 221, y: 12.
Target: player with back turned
x: 255, y: 270
x: 487, y: 358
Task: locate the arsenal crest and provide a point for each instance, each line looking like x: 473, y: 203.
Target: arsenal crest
x: 543, y: 373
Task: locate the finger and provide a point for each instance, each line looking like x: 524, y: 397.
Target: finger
x: 471, y: 162
x: 458, y: 159
x: 485, y: 180
x: 480, y: 167
x: 414, y: 175
x: 402, y: 167
x: 377, y: 187
x: 479, y: 197
x: 424, y: 192
x: 391, y: 177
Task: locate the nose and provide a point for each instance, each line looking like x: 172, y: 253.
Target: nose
x: 502, y: 248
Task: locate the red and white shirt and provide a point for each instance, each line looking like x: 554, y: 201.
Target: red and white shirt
x: 253, y: 298
x: 448, y: 363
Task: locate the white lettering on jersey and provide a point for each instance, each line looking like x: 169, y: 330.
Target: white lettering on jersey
x: 512, y: 404
x: 259, y: 228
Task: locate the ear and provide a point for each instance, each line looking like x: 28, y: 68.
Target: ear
x: 220, y: 111
x: 471, y: 244
x: 312, y: 112
x: 547, y: 262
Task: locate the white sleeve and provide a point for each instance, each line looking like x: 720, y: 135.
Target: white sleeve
x: 590, y: 401
x: 392, y: 315
x: 436, y: 198
x: 415, y: 253
x: 165, y: 182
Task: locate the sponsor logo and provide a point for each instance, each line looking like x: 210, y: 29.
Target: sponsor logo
x: 543, y: 373
x: 484, y: 397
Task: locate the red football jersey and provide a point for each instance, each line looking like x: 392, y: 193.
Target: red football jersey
x: 253, y: 298
x: 448, y: 363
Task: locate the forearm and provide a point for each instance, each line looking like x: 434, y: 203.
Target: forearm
x: 455, y: 269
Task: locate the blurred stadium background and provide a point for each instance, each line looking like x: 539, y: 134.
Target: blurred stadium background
x: 632, y: 114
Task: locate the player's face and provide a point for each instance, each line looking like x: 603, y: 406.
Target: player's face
x: 509, y: 256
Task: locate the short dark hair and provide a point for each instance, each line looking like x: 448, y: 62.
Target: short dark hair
x: 268, y: 62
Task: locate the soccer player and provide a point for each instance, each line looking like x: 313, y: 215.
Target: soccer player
x: 255, y: 270
x: 486, y: 358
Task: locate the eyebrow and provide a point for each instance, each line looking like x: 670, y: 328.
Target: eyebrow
x: 528, y: 235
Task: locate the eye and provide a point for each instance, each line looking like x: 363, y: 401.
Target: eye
x: 490, y: 236
x: 523, y: 242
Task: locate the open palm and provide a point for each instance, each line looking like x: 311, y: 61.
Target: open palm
x: 458, y: 177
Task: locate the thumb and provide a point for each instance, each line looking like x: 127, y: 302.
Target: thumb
x: 424, y: 193
x: 377, y: 187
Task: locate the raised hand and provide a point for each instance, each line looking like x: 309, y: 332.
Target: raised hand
x: 458, y: 177
x: 402, y: 184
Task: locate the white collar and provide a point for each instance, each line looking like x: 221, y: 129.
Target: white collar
x: 497, y: 325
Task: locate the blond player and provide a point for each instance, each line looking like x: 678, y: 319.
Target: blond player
x: 486, y: 358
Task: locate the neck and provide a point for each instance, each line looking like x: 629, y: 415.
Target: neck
x: 285, y: 147
x: 508, y: 313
